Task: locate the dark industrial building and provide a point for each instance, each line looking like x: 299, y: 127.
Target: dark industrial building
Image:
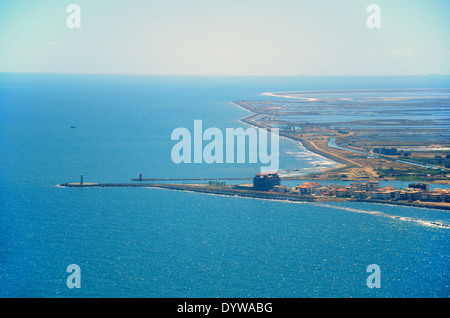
x: 266, y: 181
x: 423, y: 186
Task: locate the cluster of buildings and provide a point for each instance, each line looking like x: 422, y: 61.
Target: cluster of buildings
x: 414, y: 192
x: 357, y: 190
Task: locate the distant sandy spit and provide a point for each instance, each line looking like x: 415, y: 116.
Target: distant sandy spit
x: 289, y: 95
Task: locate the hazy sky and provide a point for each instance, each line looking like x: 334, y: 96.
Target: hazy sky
x: 226, y: 37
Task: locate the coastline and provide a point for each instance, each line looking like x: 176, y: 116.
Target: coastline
x: 338, y: 162
x: 273, y: 94
x: 341, y: 162
x: 338, y: 165
x: 348, y: 167
x: 203, y: 188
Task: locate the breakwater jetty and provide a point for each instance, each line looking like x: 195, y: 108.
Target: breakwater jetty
x: 203, y: 188
x: 188, y: 179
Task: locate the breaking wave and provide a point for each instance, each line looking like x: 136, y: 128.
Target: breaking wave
x: 396, y: 217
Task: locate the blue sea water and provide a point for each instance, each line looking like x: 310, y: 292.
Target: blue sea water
x: 159, y: 243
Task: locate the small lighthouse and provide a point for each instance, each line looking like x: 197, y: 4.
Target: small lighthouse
x: 81, y: 179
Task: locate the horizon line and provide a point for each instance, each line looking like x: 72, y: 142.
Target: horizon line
x: 226, y: 75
